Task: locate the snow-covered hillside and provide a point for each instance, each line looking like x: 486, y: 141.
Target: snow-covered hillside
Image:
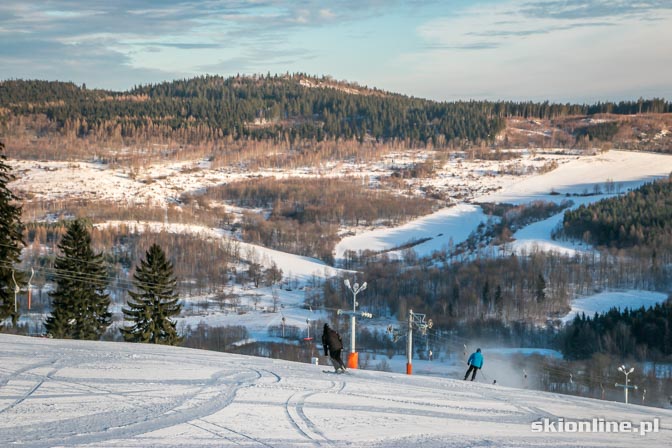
x: 604, y: 301
x: 576, y: 176
x: 102, y: 394
x: 465, y: 181
x: 472, y: 180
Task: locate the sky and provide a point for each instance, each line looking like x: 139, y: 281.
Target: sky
x: 560, y: 50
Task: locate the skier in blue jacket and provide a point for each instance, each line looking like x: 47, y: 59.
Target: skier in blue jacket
x: 475, y: 362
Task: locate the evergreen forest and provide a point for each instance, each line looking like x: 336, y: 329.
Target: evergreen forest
x: 283, y: 108
x: 639, y: 218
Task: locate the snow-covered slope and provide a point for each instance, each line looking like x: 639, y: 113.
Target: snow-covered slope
x: 604, y: 301
x: 578, y: 176
x: 100, y: 394
x: 453, y: 223
x: 293, y: 266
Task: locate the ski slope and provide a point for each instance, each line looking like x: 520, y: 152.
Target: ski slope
x: 56, y: 393
x: 579, y: 176
x: 602, y: 302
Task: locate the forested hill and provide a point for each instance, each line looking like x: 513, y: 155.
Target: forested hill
x: 278, y: 108
x: 640, y: 218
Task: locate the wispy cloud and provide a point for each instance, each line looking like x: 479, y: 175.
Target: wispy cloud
x: 549, y: 48
x: 249, y: 61
x: 592, y: 9
x: 143, y: 34
x: 511, y: 32
x: 466, y: 46
x: 476, y: 28
x: 179, y: 45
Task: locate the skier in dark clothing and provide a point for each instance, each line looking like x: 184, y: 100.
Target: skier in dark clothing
x: 475, y: 362
x: 333, y: 345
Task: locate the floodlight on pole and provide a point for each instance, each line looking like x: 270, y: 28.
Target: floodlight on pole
x: 626, y: 386
x: 354, y: 289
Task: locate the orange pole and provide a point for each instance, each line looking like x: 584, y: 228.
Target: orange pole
x: 353, y: 360
x: 409, y: 368
x: 29, y: 297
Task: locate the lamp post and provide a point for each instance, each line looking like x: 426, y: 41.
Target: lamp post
x: 17, y: 290
x: 354, y: 289
x: 626, y: 386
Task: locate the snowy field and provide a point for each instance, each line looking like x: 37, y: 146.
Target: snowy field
x: 57, y: 393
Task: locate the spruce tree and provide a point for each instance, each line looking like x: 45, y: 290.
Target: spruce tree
x: 11, y: 241
x: 155, y: 302
x: 80, y: 303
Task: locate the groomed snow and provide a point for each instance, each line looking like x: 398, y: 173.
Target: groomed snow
x: 454, y: 223
x: 627, y: 169
x: 56, y: 393
x: 604, y: 301
x: 577, y: 176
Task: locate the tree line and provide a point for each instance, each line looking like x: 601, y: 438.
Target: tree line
x: 280, y: 108
x: 642, y: 217
x: 273, y: 107
x: 644, y: 333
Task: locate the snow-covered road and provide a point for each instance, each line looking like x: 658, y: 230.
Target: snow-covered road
x: 97, y: 394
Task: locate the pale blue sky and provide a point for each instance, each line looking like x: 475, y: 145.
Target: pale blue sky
x: 561, y: 50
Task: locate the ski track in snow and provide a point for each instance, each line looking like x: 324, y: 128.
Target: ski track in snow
x: 100, y: 394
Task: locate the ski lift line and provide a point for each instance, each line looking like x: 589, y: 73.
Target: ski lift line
x: 71, y: 258
x: 571, y: 376
x: 49, y: 269
x: 80, y: 276
x: 93, y: 263
x: 65, y: 273
x: 585, y: 377
x: 73, y: 275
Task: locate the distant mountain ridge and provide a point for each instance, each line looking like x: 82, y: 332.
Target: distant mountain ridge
x: 288, y: 108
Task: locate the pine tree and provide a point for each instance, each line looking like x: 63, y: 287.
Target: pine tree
x: 10, y: 241
x: 80, y: 303
x: 155, y: 302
